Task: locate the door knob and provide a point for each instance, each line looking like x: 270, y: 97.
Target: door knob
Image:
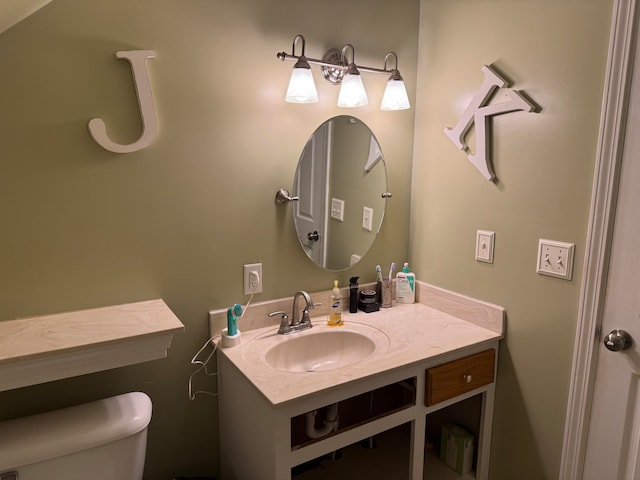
x: 618, y: 340
x: 313, y: 237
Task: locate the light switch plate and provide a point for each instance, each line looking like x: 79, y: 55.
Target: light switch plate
x: 367, y: 218
x: 555, y: 258
x: 337, y: 209
x: 484, y: 246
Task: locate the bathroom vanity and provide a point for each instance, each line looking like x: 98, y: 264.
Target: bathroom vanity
x: 431, y: 363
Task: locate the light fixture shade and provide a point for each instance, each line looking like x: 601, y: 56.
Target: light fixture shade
x: 395, y: 94
x: 352, y: 92
x: 302, y: 88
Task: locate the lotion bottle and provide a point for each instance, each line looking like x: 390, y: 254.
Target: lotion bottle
x: 335, y: 312
x: 405, y: 285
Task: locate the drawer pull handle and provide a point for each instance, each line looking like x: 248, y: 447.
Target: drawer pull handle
x: 468, y: 378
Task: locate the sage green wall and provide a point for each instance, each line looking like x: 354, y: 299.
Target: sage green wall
x: 83, y: 227
x: 554, y: 51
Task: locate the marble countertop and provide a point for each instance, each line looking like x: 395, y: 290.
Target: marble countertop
x: 50, y: 347
x: 407, y: 334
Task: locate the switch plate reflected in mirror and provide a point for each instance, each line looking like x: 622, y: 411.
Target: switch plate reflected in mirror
x: 341, y: 175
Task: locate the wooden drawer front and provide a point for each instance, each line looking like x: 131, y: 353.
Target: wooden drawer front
x: 459, y: 376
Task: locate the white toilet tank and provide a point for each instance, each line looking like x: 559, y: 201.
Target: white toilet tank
x: 103, y: 440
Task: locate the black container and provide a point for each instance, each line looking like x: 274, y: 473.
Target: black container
x: 368, y: 302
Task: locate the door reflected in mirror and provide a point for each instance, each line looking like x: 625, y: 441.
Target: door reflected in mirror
x: 341, y: 182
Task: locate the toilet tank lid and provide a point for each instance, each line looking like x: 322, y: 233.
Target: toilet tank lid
x: 28, y: 440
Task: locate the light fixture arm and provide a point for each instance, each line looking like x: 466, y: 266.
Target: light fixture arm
x: 293, y: 47
x: 341, y: 63
x: 286, y: 56
x: 343, y: 55
x: 387, y: 57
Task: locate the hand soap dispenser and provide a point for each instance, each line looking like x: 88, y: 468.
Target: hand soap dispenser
x: 335, y: 312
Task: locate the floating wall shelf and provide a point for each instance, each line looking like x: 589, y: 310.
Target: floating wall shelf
x: 46, y: 348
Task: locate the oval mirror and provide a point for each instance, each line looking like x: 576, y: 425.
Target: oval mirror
x: 340, y: 182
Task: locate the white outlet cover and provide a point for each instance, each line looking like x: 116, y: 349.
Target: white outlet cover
x: 484, y: 246
x: 247, y: 269
x: 555, y: 258
x: 337, y: 209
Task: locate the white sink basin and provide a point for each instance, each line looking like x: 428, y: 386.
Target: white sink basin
x: 320, y: 351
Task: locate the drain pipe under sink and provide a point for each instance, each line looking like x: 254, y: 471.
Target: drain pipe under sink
x: 330, y: 422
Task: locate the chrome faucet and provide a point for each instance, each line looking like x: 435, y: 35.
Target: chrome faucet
x: 297, y: 323
x: 295, y: 317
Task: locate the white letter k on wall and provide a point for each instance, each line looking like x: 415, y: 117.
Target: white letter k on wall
x: 477, y: 113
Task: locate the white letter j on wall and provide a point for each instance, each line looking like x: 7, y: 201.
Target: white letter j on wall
x: 97, y: 127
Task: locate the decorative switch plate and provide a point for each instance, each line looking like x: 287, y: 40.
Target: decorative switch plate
x: 484, y: 246
x: 555, y: 258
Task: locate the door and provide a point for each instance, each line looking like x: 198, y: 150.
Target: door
x: 310, y: 211
x: 613, y: 448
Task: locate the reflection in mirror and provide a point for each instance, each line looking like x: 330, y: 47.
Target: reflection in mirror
x: 341, y: 182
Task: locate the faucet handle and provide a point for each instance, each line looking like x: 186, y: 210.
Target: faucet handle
x: 306, y: 320
x: 305, y: 313
x: 284, y: 321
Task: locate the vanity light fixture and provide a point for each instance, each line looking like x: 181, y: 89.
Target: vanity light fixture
x: 352, y: 92
x: 337, y: 70
x: 395, y: 94
x: 302, y: 88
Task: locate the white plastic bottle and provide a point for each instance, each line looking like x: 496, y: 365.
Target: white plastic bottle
x: 405, y: 285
